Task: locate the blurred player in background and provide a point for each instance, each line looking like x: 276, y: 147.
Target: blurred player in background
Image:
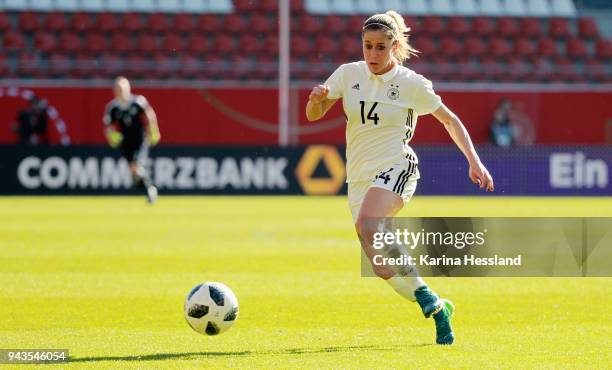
x: 131, y: 124
x: 382, y: 100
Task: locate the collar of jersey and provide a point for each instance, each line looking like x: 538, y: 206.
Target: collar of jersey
x: 387, y: 76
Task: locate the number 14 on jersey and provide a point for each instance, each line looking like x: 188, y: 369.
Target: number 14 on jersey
x: 372, y: 116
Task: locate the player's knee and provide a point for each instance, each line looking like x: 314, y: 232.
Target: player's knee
x: 365, y: 229
x: 383, y: 272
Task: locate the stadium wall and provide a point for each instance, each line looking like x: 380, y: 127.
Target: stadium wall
x: 313, y: 170
x: 248, y: 116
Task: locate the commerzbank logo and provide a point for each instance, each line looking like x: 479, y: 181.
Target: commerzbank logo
x: 330, y: 158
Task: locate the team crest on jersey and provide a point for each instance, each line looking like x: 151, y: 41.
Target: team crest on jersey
x: 393, y: 92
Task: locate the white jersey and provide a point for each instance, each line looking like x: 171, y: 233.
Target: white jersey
x: 381, y: 113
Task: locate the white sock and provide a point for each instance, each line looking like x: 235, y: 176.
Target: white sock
x: 406, y: 285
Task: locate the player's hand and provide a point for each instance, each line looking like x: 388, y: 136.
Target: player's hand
x: 114, y: 138
x: 318, y: 94
x: 154, y: 137
x: 479, y: 175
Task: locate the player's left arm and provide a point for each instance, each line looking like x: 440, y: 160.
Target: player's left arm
x: 152, y: 127
x: 478, y: 172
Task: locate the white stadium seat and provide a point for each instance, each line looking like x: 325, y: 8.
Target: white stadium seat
x: 441, y: 7
x: 538, y: 8
x: 466, y: 7
x: 144, y: 6
x: 15, y: 4
x: 342, y: 6
x: 317, y: 6
x: 195, y: 6
x: 368, y: 7
x: 515, y: 8
x: 117, y: 5
x: 220, y: 6
x: 92, y: 5
x: 42, y: 5
x: 417, y: 7
x: 67, y: 5
x: 563, y: 8
x: 491, y: 8
x: 169, y: 6
x: 397, y: 5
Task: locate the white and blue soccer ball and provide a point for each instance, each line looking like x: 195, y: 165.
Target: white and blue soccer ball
x: 211, y: 308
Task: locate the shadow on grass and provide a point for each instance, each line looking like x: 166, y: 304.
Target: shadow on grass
x: 204, y: 355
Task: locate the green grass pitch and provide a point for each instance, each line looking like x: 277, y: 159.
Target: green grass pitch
x: 106, y: 278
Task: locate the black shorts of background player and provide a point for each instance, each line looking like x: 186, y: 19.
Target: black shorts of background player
x: 131, y: 125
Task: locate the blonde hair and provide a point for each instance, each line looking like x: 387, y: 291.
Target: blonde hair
x: 392, y: 23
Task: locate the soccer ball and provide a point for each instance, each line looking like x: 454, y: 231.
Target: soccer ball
x: 211, y: 308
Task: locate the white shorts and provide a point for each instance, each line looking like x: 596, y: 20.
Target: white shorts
x: 401, y: 179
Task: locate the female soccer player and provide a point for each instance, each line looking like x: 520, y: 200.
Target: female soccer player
x: 382, y: 100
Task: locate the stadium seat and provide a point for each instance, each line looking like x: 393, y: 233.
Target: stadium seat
x: 327, y: 45
x: 245, y: 6
x: 147, y: 43
x: 29, y: 21
x: 483, y: 27
x: 118, y: 6
x: 172, y: 43
x: 432, y: 26
x: 29, y: 65
x: 111, y: 65
x: 297, y: 7
x: 95, y: 42
x: 235, y: 23
x: 466, y: 8
x: 195, y: 6
x: 425, y: 45
x: 587, y: 28
x: 441, y: 7
x: 59, y: 65
x: 547, y: 48
x: 475, y: 46
x: 133, y: 22
x: 137, y: 66
x: 492, y: 69
x: 517, y: 70
x: 355, y: 23
x: 524, y: 48
x: 603, y: 49
x: 417, y: 7
x: 45, y: 42
x: 169, y: 6
x: 507, y: 27
x: 5, y: 22
x: 268, y: 6
x: 310, y: 24
x: 197, y: 43
x: 266, y: 68
x: 261, y: 23
x: 576, y: 49
x: 250, y: 44
x: 158, y: 22
x: 491, y: 8
x: 559, y: 28
x: 595, y: 70
x: 530, y: 27
x: 70, y: 42
x: 220, y: 6
x: 301, y: 46
x: 538, y: 8
x: 85, y: 66
x: 188, y: 66
x: 210, y: 23
x: 270, y: 45
x: 163, y: 66
x: 351, y: 47
x: 344, y: 7
x: 14, y: 40
x: 457, y: 26
x: 499, y: 48
x: 108, y: 22
x: 335, y: 24
x: 143, y: 6
x: 566, y: 70
x: 56, y: 22
x: 224, y: 44
x: 562, y: 8
x: 514, y: 8
x: 121, y: 42
x: 67, y: 5
x: 450, y: 47
x: 92, y: 6
x: 82, y: 22
x: 182, y: 22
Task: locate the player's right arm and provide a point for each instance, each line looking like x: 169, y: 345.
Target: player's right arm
x: 318, y: 103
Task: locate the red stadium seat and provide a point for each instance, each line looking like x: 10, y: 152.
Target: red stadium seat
x: 29, y: 21
x: 492, y: 69
x: 425, y: 45
x: 335, y: 24
x: 587, y: 28
x: 164, y: 66
x: 507, y: 27
x: 189, y: 66
x: 270, y: 45
x: 351, y: 47
x: 224, y: 44
x: 524, y: 47
x: 245, y: 6
x: 547, y: 48
x: 475, y: 47
x: 268, y: 6
x: 499, y: 47
x: 108, y: 22
x: 147, y: 43
x: 457, y: 26
x: 70, y: 42
x: 83, y: 22
x: 14, y: 41
x: 197, y: 43
x: 261, y: 23
x: 59, y: 65
x: 172, y: 42
x: 355, y: 24
x: 518, y: 70
x: 29, y: 65
x: 209, y: 23
x: 450, y: 47
x: 576, y: 49
x: 95, y: 42
x: 309, y: 24
x: 215, y: 66
x: 543, y: 70
x: 159, y: 23
x: 250, y: 44
x: 530, y: 27
x: 297, y: 6
x: 235, y: 23
x: 85, y: 66
x: 138, y: 66
x: 266, y: 68
x: 45, y: 42
x: 56, y: 22
x: 595, y: 70
x: 558, y: 28
x: 133, y: 22
x: 326, y: 44
x: 121, y: 42
x: 111, y: 65
x: 5, y: 22
x: 432, y: 26
x: 566, y: 70
x: 182, y: 22
x: 242, y: 67
x: 301, y: 46
x: 603, y: 49
x: 482, y: 26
